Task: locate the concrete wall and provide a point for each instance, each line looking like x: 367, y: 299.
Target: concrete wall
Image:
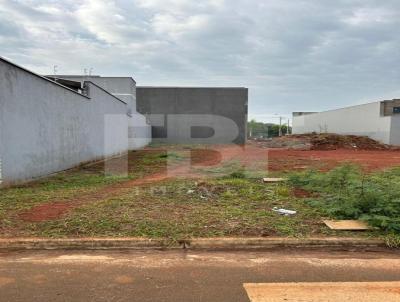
x: 139, y: 131
x: 45, y: 127
x: 358, y: 120
x: 123, y: 88
x: 195, y: 115
x: 395, y: 130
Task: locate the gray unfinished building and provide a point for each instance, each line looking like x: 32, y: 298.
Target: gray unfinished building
x: 195, y: 114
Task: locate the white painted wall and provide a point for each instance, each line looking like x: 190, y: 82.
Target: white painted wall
x: 124, y: 88
x: 139, y: 132
x: 358, y: 120
x: 46, y: 128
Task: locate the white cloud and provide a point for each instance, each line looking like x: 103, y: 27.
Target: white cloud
x: 182, y: 6
x: 370, y: 16
x: 107, y: 21
x: 293, y: 55
x: 174, y: 26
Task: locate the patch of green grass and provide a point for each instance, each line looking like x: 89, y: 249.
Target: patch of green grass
x: 346, y: 192
x: 177, y: 209
x: 233, y: 202
x: 71, y: 184
x: 237, y: 174
x: 222, y: 170
x: 231, y: 169
x: 160, y: 157
x: 392, y: 240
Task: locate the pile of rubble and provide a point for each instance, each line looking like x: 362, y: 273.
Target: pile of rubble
x: 335, y: 141
x: 324, y: 141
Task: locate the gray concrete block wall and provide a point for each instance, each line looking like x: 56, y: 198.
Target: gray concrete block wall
x: 45, y: 128
x: 173, y: 110
x: 395, y: 130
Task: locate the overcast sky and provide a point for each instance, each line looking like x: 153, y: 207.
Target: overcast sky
x: 293, y: 55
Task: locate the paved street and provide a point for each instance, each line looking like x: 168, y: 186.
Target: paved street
x: 177, y: 276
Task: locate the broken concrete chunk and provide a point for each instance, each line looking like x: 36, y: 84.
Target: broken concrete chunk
x: 273, y: 179
x: 347, y: 225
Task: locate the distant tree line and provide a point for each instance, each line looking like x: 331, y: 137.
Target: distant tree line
x: 265, y: 130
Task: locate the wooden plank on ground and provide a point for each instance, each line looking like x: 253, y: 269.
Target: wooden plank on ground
x: 324, y: 292
x: 347, y: 225
x: 273, y: 179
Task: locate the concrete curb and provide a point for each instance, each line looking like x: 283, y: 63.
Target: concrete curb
x: 86, y: 243
x: 273, y: 243
x: 191, y: 244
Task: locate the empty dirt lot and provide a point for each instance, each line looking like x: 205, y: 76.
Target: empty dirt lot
x: 182, y: 191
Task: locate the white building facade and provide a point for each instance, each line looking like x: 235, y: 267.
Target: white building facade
x: 377, y: 120
x: 47, y: 126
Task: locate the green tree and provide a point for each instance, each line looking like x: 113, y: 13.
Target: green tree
x: 264, y: 130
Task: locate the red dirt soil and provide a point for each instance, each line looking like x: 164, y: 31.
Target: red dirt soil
x: 301, y: 193
x: 47, y: 211
x: 370, y: 160
x: 268, y: 159
x: 54, y: 210
x: 285, y: 159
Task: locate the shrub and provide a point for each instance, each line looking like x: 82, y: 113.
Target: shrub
x: 238, y: 174
x: 348, y: 193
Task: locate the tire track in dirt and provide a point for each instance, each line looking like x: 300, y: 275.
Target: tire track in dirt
x: 54, y: 210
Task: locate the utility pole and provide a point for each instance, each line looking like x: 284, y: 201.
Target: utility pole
x: 55, y: 69
x: 288, y: 127
x: 280, y: 126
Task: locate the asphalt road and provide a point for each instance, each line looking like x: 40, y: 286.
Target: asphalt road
x: 177, y: 276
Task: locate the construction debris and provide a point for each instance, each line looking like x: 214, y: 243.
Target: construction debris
x: 347, y: 225
x: 324, y: 141
x: 334, y: 141
x: 284, y: 211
